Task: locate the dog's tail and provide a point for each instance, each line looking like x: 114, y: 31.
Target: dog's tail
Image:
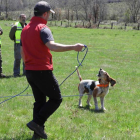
x: 80, y: 78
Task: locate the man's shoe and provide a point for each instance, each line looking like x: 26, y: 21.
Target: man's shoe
x: 36, y: 137
x: 16, y: 75
x: 37, y: 129
x: 2, y: 75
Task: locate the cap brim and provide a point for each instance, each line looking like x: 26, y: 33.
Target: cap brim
x: 52, y: 11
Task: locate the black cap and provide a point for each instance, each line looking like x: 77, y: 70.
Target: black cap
x: 42, y: 7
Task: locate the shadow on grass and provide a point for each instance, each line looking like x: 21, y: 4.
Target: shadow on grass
x: 87, y: 107
x: 11, y: 76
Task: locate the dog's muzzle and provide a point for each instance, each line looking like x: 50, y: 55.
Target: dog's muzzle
x: 99, y: 74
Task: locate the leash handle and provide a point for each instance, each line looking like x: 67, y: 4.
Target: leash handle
x: 85, y: 47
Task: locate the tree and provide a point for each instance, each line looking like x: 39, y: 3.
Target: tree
x: 94, y: 6
x: 85, y: 4
x: 97, y: 10
x: 102, y: 10
x: 134, y: 8
x: 0, y: 6
x: 75, y: 8
x: 6, y: 2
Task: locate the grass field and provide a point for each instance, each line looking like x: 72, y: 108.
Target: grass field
x: 116, y: 51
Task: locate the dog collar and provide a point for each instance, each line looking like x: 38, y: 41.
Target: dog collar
x: 103, y: 85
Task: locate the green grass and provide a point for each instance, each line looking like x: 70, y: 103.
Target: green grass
x: 116, y: 51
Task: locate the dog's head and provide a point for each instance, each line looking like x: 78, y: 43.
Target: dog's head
x: 103, y: 75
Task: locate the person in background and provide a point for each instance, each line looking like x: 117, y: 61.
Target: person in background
x: 15, y: 35
x: 36, y: 43
x: 1, y: 74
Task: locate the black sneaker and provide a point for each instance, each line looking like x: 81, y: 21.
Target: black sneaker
x: 2, y: 75
x: 16, y: 75
x: 36, y: 137
x: 37, y: 129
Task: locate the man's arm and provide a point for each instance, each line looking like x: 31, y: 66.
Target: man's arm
x: 56, y: 47
x: 12, y: 32
x: 48, y: 40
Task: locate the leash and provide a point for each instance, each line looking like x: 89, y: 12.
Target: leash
x: 14, y: 95
x: 32, y: 95
x: 80, y: 64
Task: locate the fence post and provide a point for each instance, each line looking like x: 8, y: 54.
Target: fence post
x: 98, y: 24
x: 61, y: 23
x: 125, y: 26
x: 112, y: 25
x: 89, y: 24
x: 138, y: 26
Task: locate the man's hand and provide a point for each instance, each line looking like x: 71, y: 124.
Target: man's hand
x: 78, y: 47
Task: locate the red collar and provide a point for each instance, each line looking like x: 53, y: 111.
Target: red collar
x: 103, y: 85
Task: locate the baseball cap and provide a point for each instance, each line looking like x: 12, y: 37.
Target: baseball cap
x: 42, y: 7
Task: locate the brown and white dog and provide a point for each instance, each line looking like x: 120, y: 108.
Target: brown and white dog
x: 95, y: 88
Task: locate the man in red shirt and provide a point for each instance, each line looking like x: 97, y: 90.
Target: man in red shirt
x: 36, y: 43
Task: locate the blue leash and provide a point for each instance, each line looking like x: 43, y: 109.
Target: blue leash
x: 80, y: 64
x: 13, y: 96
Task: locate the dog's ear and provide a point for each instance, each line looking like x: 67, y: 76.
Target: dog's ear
x: 112, y: 81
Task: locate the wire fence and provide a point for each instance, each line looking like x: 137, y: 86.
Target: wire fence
x: 99, y: 25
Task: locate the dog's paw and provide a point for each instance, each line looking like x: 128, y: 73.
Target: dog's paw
x: 89, y: 104
x: 104, y: 109
x: 80, y: 105
x: 96, y: 109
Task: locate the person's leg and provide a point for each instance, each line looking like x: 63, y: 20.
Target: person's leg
x: 17, y: 56
x: 1, y: 74
x: 40, y: 100
x: 48, y: 85
x: 0, y: 62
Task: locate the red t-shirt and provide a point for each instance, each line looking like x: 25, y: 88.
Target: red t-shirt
x: 37, y: 54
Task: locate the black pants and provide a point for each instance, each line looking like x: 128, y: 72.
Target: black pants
x: 0, y: 61
x: 43, y: 83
